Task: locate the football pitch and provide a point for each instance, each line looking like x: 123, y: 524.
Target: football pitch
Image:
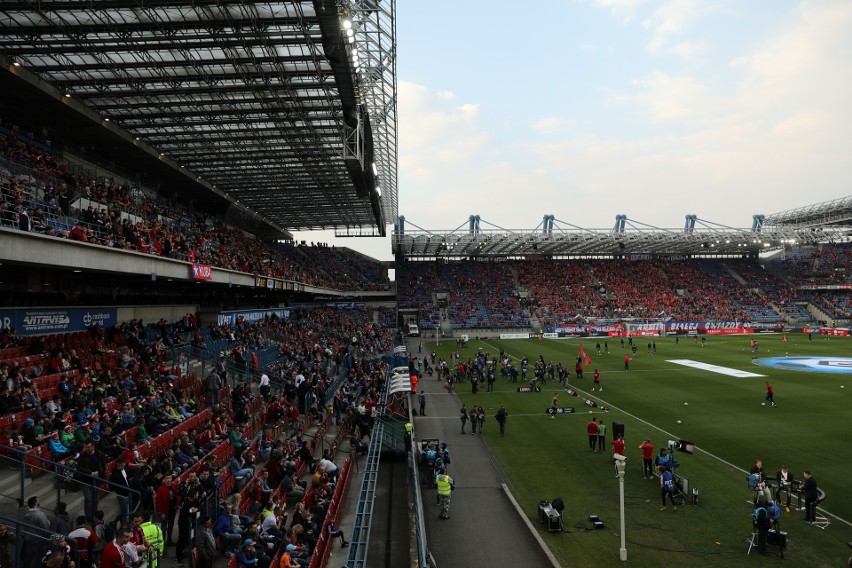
x: 722, y: 414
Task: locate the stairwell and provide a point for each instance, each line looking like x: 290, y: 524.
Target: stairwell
x: 820, y: 315
x: 759, y: 293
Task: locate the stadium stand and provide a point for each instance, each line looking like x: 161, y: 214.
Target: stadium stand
x: 39, y: 195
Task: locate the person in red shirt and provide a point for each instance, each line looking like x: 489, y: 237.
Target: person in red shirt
x: 112, y: 556
x: 597, y: 383
x: 592, y: 429
x: 131, y: 457
x: 163, y: 502
x: 647, y: 459
x: 627, y: 362
x: 86, y: 540
x: 617, y: 449
x: 770, y: 394
x: 414, y: 383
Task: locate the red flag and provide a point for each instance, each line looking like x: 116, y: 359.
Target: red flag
x: 586, y: 359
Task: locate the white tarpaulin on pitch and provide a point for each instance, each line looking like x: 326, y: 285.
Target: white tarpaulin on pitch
x: 713, y: 368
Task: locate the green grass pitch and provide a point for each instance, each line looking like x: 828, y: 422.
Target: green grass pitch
x: 543, y: 458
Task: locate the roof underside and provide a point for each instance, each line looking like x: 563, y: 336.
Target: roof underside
x: 590, y: 242
x: 263, y: 101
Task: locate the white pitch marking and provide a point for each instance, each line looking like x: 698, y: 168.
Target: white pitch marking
x: 713, y: 368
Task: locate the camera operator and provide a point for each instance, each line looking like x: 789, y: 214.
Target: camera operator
x: 762, y: 487
x: 663, y: 460
x: 762, y: 522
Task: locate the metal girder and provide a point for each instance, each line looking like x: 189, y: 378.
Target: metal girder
x: 599, y: 242
x: 264, y: 90
x: 834, y: 212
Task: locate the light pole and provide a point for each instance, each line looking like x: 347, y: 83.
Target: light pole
x: 620, y: 462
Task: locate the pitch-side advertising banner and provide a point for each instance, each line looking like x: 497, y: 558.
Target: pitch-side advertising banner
x: 827, y: 330
x: 230, y: 318
x: 56, y: 320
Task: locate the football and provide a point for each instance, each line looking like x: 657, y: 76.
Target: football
x: 762, y: 404
x: 678, y: 421
x: 686, y: 404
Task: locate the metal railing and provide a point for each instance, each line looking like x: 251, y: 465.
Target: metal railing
x: 419, y: 521
x: 39, y: 538
x: 360, y: 543
x: 62, y: 473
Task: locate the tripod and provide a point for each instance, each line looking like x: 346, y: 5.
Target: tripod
x: 774, y: 536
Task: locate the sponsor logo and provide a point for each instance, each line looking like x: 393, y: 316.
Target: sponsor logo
x: 833, y: 365
x: 515, y: 335
x: 47, y: 321
x: 100, y: 319
x: 647, y: 326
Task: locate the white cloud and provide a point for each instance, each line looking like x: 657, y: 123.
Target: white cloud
x: 553, y: 124
x: 625, y: 9
x: 666, y: 98
x: 671, y: 19
x: 689, y: 49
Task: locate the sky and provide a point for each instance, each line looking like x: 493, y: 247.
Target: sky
x: 586, y: 109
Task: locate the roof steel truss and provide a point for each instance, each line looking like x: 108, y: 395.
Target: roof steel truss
x: 242, y: 94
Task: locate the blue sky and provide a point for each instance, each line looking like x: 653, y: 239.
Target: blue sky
x: 590, y: 108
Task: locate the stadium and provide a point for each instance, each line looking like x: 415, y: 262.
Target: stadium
x: 189, y: 382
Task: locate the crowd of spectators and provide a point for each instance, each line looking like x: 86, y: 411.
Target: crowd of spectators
x: 562, y: 292
x: 110, y: 421
x: 837, y: 305
x: 823, y: 265
x: 40, y: 195
x: 417, y: 283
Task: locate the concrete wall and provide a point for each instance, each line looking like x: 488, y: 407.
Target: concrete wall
x: 53, y: 252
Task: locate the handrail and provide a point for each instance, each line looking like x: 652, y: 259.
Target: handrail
x: 419, y: 522
x: 39, y: 532
x: 58, y: 466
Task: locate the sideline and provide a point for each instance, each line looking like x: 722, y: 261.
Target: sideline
x: 533, y: 531
x: 667, y: 433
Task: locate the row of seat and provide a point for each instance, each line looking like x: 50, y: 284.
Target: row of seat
x: 319, y: 559
x: 154, y: 447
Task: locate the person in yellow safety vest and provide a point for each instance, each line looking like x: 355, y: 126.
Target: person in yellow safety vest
x: 154, y: 536
x: 445, y: 485
x: 409, y: 427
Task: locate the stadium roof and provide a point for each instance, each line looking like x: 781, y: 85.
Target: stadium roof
x: 287, y: 107
x: 628, y: 237
x: 835, y: 212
